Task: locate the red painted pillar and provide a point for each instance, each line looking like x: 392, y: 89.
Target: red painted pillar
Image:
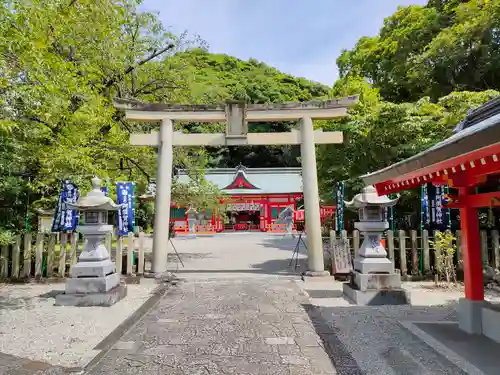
x: 471, y: 245
x: 262, y: 215
x: 269, y: 211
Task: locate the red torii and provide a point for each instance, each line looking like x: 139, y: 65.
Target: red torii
x: 466, y: 160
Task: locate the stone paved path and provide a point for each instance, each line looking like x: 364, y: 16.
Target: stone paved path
x: 238, y: 255
x: 254, y: 326
x: 241, y: 311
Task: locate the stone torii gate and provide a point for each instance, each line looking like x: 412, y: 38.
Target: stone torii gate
x: 237, y: 114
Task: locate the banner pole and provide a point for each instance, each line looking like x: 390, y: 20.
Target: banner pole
x: 134, y: 189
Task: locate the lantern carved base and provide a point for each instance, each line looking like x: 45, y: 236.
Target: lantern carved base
x: 374, y: 282
x: 373, y: 265
x: 376, y: 297
x: 106, y: 299
x: 88, y: 285
x: 94, y: 281
x: 92, y: 290
x: 93, y: 269
x: 191, y: 228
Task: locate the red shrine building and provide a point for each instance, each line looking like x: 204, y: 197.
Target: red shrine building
x: 254, y: 198
x: 469, y: 163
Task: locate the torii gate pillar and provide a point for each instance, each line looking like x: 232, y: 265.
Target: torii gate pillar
x: 237, y: 115
x: 316, y: 265
x: 163, y: 198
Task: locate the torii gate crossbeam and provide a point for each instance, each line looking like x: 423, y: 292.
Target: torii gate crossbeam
x: 237, y: 115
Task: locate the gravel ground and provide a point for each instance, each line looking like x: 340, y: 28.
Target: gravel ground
x: 380, y: 340
x: 32, y: 327
x: 425, y: 293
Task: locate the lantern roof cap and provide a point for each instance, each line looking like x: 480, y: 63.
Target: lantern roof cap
x: 369, y: 197
x: 95, y: 200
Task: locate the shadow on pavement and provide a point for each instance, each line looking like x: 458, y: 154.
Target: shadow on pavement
x: 270, y: 267
x: 285, y: 243
x: 13, y: 303
x: 343, y: 361
x: 7, y: 303
x: 172, y: 256
x: 281, y: 266
x: 244, y: 271
x: 12, y: 365
x: 315, y: 293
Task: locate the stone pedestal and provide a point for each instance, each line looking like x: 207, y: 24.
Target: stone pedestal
x: 191, y: 224
x: 315, y: 274
x: 94, y: 281
x: 470, y: 315
x: 374, y: 280
x: 376, y: 289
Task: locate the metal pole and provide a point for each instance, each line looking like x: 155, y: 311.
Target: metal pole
x: 27, y: 226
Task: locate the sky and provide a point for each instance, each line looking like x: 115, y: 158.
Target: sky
x: 299, y: 37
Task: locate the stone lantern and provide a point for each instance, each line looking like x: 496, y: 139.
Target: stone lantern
x: 94, y: 281
x: 373, y: 280
x: 192, y: 219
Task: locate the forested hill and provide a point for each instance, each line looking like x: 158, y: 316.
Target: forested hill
x: 215, y: 78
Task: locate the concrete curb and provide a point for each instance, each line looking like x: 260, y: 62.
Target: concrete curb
x: 440, y: 348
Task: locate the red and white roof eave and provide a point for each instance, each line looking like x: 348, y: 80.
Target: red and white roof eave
x: 480, y: 162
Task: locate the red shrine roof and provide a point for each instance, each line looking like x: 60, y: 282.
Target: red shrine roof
x: 240, y: 181
x: 252, y: 181
x: 468, y: 156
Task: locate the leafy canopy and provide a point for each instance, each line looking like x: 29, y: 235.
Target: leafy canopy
x: 430, y: 50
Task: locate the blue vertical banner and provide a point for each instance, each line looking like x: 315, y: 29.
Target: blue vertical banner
x: 126, y: 212
x: 339, y: 210
x: 66, y: 219
x: 426, y: 217
x: 435, y: 215
x: 441, y: 215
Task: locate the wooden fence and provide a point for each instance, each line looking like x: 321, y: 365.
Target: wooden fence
x: 413, y: 254
x: 42, y: 255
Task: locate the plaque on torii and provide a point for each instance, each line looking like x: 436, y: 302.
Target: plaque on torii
x: 237, y: 115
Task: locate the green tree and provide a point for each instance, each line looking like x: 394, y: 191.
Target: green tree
x: 62, y: 63
x: 430, y: 51
x: 379, y: 133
